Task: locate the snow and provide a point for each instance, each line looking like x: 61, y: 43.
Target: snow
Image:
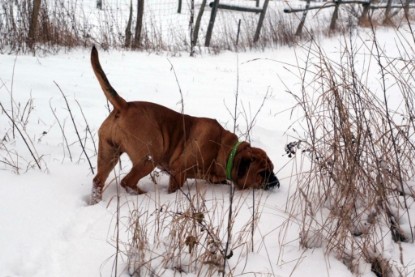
x: 47, y: 227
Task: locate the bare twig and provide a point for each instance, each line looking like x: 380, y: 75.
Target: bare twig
x: 22, y: 136
x: 87, y: 127
x: 62, y: 130
x: 76, y: 129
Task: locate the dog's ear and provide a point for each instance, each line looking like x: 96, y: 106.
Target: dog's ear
x: 243, y: 166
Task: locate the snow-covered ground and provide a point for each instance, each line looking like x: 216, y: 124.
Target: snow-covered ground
x: 47, y: 227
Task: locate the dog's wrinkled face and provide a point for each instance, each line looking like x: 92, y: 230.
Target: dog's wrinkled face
x: 253, y: 169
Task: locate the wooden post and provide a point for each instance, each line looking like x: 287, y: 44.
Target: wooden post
x: 388, y: 20
x: 406, y: 9
x: 237, y: 34
x: 261, y: 20
x: 302, y: 22
x: 237, y: 8
x: 211, y: 23
x: 335, y: 15
x: 197, y: 24
x: 139, y: 24
x: 191, y: 27
x: 33, y: 23
x: 179, y: 6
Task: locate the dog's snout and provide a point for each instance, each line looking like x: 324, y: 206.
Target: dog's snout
x: 272, y: 182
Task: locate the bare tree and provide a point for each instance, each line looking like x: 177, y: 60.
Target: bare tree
x: 335, y: 16
x: 139, y: 24
x: 128, y: 33
x: 33, y: 23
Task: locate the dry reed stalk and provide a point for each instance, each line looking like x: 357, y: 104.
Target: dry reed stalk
x: 360, y: 153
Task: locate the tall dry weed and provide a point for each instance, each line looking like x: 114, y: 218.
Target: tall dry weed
x: 356, y: 199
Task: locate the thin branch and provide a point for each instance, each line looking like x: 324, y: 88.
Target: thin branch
x: 62, y: 129
x: 76, y: 129
x: 22, y: 136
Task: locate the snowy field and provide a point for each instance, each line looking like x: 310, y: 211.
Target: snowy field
x: 47, y: 227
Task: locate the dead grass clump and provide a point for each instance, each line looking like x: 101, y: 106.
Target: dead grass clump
x: 56, y: 26
x: 354, y: 199
x: 191, y: 234
x: 15, y: 118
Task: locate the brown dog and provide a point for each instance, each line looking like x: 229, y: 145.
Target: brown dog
x: 182, y: 145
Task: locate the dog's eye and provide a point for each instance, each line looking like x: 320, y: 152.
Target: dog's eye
x: 264, y: 174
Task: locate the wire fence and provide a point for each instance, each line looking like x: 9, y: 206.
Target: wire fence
x: 166, y: 24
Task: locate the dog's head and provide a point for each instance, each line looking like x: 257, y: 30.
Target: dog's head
x: 253, y: 169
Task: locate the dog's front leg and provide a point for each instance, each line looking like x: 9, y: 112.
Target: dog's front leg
x: 96, y: 193
x: 176, y: 181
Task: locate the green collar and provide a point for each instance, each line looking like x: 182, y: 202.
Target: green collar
x: 229, y: 163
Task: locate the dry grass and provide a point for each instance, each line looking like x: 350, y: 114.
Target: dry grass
x: 68, y: 24
x: 189, y: 234
x: 354, y: 199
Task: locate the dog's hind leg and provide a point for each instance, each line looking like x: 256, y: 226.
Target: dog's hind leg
x: 139, y: 170
x: 108, y: 156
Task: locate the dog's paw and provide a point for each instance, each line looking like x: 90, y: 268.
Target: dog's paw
x: 172, y: 189
x: 134, y: 190
x: 96, y: 196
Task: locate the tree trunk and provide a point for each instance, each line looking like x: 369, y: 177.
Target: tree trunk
x: 128, y: 33
x: 139, y: 24
x: 388, y: 20
x: 364, y: 18
x: 33, y: 23
x: 198, y: 20
x: 335, y: 16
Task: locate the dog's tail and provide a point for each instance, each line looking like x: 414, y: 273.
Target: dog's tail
x: 117, y: 101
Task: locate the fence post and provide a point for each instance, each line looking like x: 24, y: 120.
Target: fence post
x: 211, y: 22
x: 237, y: 34
x: 261, y: 20
x: 192, y: 27
x: 197, y: 24
x: 406, y: 8
x: 179, y: 6
x: 301, y: 25
x: 335, y: 15
x: 387, y: 19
